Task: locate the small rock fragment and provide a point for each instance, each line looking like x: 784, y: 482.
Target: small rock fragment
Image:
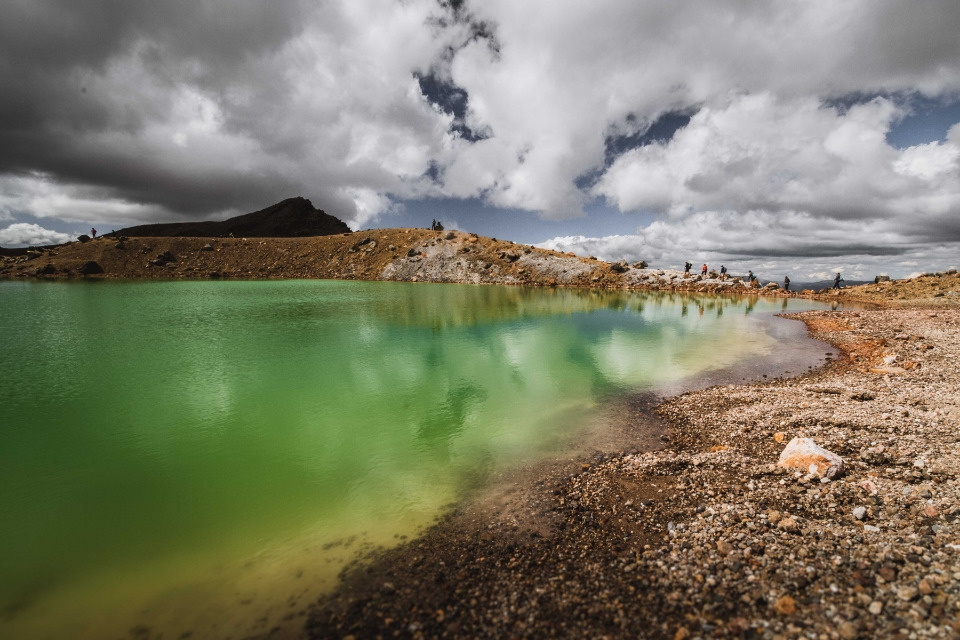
x: 907, y: 593
x: 848, y: 630
x: 785, y: 605
x: 788, y: 524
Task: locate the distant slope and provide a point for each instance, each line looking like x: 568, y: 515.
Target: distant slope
x: 291, y: 218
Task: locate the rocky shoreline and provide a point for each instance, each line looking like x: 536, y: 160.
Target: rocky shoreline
x: 707, y: 536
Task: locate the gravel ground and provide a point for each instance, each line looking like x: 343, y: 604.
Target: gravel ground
x: 708, y: 537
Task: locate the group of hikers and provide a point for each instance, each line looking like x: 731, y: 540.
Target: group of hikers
x: 752, y: 278
x: 703, y: 271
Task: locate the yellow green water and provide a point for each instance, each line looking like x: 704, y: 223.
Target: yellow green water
x: 202, y: 457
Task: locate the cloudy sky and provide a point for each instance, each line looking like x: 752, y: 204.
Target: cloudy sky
x: 781, y: 136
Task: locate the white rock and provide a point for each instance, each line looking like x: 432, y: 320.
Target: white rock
x: 804, y: 454
x: 860, y: 513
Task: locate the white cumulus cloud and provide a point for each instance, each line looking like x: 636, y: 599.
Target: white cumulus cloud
x: 22, y: 234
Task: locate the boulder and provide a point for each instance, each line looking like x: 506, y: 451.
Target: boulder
x: 90, y: 268
x: 805, y: 455
x: 619, y: 267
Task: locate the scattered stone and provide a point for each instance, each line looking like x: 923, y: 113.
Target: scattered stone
x: 848, y: 630
x: 788, y: 524
x: 907, y: 593
x: 620, y: 267
x: 785, y: 605
x: 803, y: 453
x: 860, y: 513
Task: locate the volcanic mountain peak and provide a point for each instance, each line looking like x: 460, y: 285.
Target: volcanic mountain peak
x: 290, y: 218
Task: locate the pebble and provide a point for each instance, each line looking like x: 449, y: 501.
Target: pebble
x: 907, y: 593
x: 848, y: 630
x: 785, y: 605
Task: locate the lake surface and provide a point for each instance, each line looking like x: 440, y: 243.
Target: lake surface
x: 203, y: 457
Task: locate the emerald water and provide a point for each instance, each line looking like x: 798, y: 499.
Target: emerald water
x: 203, y: 457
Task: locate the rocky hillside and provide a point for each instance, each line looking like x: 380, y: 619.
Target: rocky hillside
x: 414, y: 255
x: 930, y: 289
x: 291, y: 218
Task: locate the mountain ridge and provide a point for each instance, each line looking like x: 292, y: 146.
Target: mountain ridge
x: 290, y: 218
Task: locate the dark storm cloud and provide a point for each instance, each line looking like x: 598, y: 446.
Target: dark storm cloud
x: 197, y: 107
x: 51, y: 53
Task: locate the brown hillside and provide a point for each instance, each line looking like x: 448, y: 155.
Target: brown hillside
x: 412, y: 255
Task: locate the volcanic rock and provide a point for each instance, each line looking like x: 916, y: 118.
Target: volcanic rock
x: 805, y: 455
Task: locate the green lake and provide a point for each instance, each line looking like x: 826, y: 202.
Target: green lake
x: 202, y: 457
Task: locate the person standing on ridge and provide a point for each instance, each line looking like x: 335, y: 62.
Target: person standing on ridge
x: 837, y: 281
x: 703, y: 271
x: 786, y: 283
x: 93, y: 232
x: 686, y: 267
x: 723, y: 272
